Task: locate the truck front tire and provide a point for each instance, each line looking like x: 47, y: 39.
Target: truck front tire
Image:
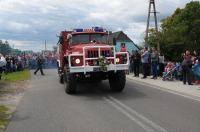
x: 117, y: 81
x: 70, y: 83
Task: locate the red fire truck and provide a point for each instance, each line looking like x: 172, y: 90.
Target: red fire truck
x: 89, y: 55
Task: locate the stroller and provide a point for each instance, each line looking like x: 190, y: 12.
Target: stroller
x: 169, y: 75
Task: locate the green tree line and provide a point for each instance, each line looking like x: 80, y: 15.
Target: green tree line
x: 6, y: 49
x: 179, y: 32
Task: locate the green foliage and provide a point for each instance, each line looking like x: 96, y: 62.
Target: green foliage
x: 3, y: 117
x: 180, y: 32
x: 5, y: 47
x: 152, y: 39
x: 103, y: 63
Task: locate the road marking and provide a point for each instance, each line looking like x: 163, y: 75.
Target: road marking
x: 192, y: 97
x: 145, y: 127
x: 142, y: 121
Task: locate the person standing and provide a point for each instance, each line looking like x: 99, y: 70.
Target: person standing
x: 2, y: 64
x: 154, y: 63
x: 145, y: 62
x: 196, y: 72
x: 187, y: 68
x: 136, y: 63
x: 161, y: 64
x: 123, y: 47
x: 8, y: 64
x: 131, y: 62
x: 39, y: 65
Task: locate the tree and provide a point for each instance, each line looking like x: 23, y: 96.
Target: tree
x: 179, y: 32
x: 5, y: 48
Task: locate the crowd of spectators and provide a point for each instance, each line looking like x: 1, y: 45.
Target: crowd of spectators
x: 152, y: 63
x: 19, y: 62
x: 48, y: 61
x: 12, y: 64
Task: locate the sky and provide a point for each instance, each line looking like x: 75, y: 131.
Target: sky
x: 26, y: 24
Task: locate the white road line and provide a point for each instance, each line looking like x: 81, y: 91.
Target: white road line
x: 145, y: 127
x: 192, y: 97
x: 136, y: 114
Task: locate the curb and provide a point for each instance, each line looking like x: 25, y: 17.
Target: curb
x: 186, y: 95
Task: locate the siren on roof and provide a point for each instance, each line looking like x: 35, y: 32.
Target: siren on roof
x: 93, y: 29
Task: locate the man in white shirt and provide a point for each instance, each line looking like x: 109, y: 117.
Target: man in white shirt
x: 145, y: 62
x: 2, y: 63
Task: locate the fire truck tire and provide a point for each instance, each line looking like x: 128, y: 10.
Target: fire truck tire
x: 71, y: 84
x: 117, y: 81
x: 61, y: 79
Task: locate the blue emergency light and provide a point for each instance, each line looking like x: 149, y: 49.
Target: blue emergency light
x: 78, y: 30
x: 97, y: 29
x: 94, y: 29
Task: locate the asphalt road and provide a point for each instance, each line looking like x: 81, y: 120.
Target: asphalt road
x: 46, y: 108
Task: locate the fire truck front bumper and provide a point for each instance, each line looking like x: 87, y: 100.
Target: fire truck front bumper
x: 111, y: 67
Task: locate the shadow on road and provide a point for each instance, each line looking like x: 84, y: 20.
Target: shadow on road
x: 93, y: 90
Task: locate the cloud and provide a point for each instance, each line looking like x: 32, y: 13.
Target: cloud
x: 29, y: 45
x: 28, y: 24
x: 17, y: 27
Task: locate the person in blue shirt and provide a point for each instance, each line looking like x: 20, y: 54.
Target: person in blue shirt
x: 196, y: 72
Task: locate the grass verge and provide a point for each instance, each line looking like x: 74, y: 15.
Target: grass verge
x: 16, y: 76
x: 4, y: 117
x: 10, y: 84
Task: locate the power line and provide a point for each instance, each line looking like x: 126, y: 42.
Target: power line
x: 150, y: 11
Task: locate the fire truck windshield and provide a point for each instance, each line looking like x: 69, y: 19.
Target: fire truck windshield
x: 88, y: 38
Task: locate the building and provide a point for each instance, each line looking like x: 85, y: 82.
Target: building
x: 122, y: 38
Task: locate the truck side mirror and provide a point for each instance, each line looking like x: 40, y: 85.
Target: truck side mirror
x: 69, y: 36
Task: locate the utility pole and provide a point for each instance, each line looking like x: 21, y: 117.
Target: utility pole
x: 45, y: 44
x: 152, y: 3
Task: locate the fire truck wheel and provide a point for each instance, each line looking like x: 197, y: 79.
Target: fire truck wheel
x: 117, y: 81
x: 61, y: 79
x: 70, y: 84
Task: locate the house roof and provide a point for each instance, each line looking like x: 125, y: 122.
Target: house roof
x: 121, y: 36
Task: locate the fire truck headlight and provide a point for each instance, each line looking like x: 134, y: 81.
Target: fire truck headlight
x: 117, y: 60
x: 77, y: 61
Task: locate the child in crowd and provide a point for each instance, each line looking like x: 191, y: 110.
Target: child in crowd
x: 168, y: 67
x: 168, y: 71
x: 196, y: 72
x: 177, y: 72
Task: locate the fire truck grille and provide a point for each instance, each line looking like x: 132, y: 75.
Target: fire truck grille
x: 105, y: 53
x: 95, y: 54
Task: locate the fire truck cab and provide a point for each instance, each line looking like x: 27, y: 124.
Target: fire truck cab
x: 89, y: 55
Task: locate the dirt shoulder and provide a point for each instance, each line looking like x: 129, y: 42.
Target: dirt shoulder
x: 10, y: 96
